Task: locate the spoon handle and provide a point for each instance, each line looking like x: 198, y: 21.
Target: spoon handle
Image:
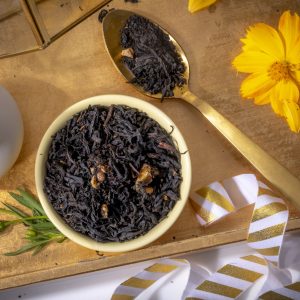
x: 275, y: 173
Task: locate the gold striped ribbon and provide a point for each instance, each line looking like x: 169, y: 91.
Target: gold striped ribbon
x: 267, y: 227
x: 265, y: 235
x: 289, y: 292
x: 134, y: 286
x: 231, y: 280
x: 270, y: 214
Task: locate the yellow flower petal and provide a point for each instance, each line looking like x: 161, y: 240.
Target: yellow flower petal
x: 289, y: 26
x: 286, y: 90
x: 264, y: 98
x: 256, y: 84
x: 249, y: 46
x: 292, y: 114
x: 253, y: 62
x: 195, y: 5
x: 277, y: 106
x: 293, y: 53
x: 296, y: 76
x: 283, y: 91
x: 265, y: 38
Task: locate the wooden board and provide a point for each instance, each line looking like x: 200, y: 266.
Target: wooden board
x: 77, y: 66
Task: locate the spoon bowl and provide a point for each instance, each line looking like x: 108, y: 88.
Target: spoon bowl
x: 278, y: 176
x: 112, y: 26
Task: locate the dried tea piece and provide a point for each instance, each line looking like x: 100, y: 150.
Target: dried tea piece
x: 102, y: 15
x: 166, y: 146
x: 149, y: 190
x: 94, y: 182
x: 101, y: 173
x: 107, y: 171
x: 98, y: 176
x: 104, y: 211
x: 145, y: 175
x: 127, y: 52
x: 153, y: 60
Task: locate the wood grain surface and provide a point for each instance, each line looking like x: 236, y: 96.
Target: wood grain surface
x: 77, y: 66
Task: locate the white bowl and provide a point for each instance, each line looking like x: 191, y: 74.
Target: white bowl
x: 156, y: 231
x: 11, y: 131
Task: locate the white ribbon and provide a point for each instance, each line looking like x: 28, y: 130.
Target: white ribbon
x: 265, y: 236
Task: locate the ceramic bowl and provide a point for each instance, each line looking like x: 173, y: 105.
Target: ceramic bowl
x: 11, y: 131
x: 160, y: 228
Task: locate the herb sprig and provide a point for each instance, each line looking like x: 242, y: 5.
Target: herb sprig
x: 40, y: 231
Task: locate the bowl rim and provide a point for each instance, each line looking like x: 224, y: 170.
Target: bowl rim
x: 159, y: 229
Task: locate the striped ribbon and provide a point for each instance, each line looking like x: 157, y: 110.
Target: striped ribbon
x: 231, y: 280
x: 134, y: 286
x: 265, y: 236
x: 265, y: 233
x: 291, y: 291
x: 270, y: 213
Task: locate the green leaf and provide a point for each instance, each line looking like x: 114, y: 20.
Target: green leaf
x: 25, y: 248
x: 35, y: 212
x: 39, y: 248
x: 28, y: 200
x: 61, y: 239
x: 3, y: 225
x: 17, y: 211
x: 6, y: 211
x: 40, y: 230
x: 30, y: 233
x: 37, y: 238
x: 43, y: 226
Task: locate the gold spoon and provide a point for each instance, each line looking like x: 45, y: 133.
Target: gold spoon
x: 275, y: 173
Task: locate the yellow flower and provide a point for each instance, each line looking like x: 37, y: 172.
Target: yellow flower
x: 273, y: 60
x: 195, y: 5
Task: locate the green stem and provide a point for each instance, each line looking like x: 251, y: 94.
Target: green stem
x: 7, y: 212
x: 26, y: 219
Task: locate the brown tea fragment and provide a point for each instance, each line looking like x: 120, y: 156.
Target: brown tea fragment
x: 127, y: 52
x: 98, y: 176
x: 149, y: 190
x: 145, y: 175
x: 101, y: 173
x: 104, y: 211
x: 94, y: 182
x: 166, y: 146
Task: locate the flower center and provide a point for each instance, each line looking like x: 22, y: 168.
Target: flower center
x: 279, y: 71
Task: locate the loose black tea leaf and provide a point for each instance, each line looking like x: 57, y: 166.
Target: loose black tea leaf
x: 104, y: 12
x: 112, y: 173
x: 151, y: 57
x: 102, y: 15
